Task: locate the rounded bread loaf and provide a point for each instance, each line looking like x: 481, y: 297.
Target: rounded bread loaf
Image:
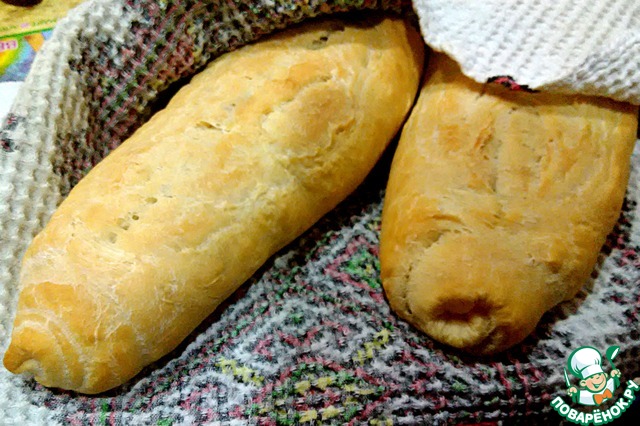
x: 253, y: 151
x: 498, y: 204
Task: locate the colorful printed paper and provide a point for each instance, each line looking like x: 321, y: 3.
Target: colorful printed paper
x: 18, y: 51
x: 23, y: 30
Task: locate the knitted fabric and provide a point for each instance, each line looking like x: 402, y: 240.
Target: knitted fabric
x: 310, y: 338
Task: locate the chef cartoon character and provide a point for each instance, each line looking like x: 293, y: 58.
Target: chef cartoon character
x: 596, y: 386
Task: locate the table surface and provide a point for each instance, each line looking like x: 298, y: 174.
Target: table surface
x: 48, y: 10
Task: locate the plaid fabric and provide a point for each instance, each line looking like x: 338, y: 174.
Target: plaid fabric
x: 310, y: 339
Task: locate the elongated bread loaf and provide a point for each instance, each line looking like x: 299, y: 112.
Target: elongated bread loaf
x: 497, y: 205
x: 246, y: 157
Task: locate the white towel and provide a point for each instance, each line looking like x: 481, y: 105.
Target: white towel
x: 569, y: 46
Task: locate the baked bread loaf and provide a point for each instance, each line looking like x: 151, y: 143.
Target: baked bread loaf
x: 247, y: 156
x: 498, y: 204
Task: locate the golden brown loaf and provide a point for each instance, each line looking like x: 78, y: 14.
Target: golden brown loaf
x: 497, y: 205
x: 246, y: 157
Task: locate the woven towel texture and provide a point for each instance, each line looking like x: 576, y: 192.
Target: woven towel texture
x: 570, y: 46
x: 311, y: 337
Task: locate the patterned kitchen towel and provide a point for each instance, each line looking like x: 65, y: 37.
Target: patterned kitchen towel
x: 311, y: 339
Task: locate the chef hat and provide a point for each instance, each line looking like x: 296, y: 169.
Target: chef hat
x: 585, y: 362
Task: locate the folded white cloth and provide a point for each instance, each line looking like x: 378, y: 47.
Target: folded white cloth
x: 581, y: 46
